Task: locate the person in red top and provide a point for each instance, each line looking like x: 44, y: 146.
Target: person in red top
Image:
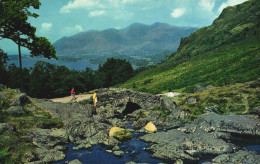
x: 73, y: 94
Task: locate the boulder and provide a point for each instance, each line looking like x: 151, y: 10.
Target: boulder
x: 48, y: 138
x: 6, y: 127
x: 198, y: 88
x: 76, y: 161
x: 15, y: 110
x: 174, y: 144
x: 120, y: 133
x: 20, y: 99
x: 245, y: 157
x: 168, y: 104
x: 231, y: 123
x: 115, y: 130
x: 118, y: 153
x: 150, y: 127
x: 191, y: 100
x: 256, y: 110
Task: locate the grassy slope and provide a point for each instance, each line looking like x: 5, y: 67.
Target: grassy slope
x: 239, y: 98
x: 224, y: 53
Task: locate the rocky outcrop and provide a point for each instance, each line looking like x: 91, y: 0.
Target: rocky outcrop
x: 231, y: 123
x: 175, y: 144
x: 242, y: 157
x: 50, y: 145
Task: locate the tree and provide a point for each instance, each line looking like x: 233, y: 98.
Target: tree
x: 13, y: 25
x: 3, y: 65
x: 115, y: 71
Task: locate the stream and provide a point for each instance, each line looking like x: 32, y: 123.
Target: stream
x: 134, y: 151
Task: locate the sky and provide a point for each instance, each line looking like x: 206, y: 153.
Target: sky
x: 59, y: 18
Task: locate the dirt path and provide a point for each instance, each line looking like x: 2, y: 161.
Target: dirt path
x: 68, y: 98
x: 87, y: 96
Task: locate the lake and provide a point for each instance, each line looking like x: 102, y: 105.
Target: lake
x: 28, y: 62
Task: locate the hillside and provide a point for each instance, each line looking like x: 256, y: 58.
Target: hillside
x: 135, y: 40
x: 225, y: 52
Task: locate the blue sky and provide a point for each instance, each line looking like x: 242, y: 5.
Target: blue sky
x: 60, y: 18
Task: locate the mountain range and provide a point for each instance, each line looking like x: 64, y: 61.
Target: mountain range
x: 226, y: 52
x: 134, y: 40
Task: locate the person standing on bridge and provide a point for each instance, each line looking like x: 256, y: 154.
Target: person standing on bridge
x: 95, y: 99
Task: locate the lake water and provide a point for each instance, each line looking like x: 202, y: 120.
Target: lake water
x: 28, y: 62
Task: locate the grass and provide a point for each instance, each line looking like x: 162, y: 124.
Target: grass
x: 239, y: 98
x: 226, y: 65
x: 226, y: 52
x: 14, y: 144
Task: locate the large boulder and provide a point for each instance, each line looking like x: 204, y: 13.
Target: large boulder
x: 48, y: 138
x: 114, y: 130
x: 150, y: 127
x: 231, y: 123
x: 174, y: 144
x: 120, y: 133
x: 243, y: 157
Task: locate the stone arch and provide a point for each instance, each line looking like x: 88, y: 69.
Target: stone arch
x: 130, y: 108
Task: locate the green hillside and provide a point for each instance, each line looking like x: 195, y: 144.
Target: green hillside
x: 224, y: 53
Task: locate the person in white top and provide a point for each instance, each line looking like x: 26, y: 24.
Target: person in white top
x: 170, y: 94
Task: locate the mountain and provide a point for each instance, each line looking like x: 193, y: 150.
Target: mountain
x: 135, y: 40
x: 225, y: 52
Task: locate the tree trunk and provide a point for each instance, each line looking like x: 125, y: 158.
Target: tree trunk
x: 20, y: 61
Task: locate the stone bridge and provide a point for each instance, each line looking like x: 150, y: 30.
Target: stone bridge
x: 126, y: 98
x: 120, y: 97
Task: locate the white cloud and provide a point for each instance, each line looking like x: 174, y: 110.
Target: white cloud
x: 72, y: 30
x: 176, y: 13
x: 129, y: 1
x: 46, y: 27
x: 229, y: 3
x: 207, y: 5
x: 96, y: 13
x: 76, y: 4
x: 78, y: 28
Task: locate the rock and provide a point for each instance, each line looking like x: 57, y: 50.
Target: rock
x: 208, y: 87
x: 82, y: 146
x: 150, y: 127
x: 245, y: 157
x: 76, y: 161
x: 49, y: 155
x: 109, y: 151
x: 123, y: 135
x: 256, y: 110
x: 116, y: 148
x: 198, y: 88
x: 168, y: 104
x: 179, y: 161
x: 48, y: 138
x: 174, y: 144
x: 6, y: 127
x: 29, y: 157
x: 53, y: 156
x: 118, y: 153
x: 20, y: 99
x: 15, y: 110
x: 191, y: 100
x: 115, y: 130
x: 231, y: 123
